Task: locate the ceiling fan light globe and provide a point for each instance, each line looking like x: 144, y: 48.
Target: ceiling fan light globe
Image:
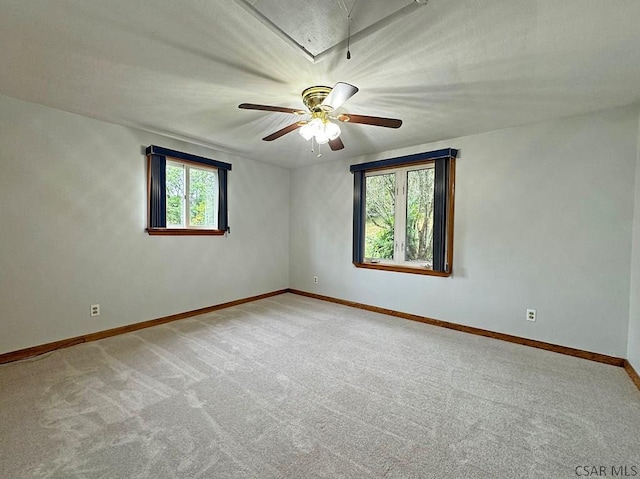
x: 321, y: 137
x: 332, y: 130
x: 306, y: 131
x: 316, y: 124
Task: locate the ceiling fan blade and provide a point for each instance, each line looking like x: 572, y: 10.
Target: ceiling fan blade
x: 339, y: 94
x: 371, y: 120
x: 283, y: 131
x: 281, y: 109
x: 336, y: 144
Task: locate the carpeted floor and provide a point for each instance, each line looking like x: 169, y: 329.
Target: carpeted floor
x: 291, y: 387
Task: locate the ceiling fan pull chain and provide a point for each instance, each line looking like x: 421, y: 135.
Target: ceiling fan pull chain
x: 349, y: 37
x: 349, y: 30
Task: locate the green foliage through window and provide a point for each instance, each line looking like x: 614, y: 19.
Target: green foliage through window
x: 419, y: 234
x: 203, y: 193
x: 175, y: 195
x: 412, y: 238
x: 380, y: 216
x: 202, y: 187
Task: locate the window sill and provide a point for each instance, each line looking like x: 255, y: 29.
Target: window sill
x: 402, y: 269
x: 184, y: 232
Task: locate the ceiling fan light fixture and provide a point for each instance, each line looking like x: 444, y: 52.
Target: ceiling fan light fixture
x: 322, y: 130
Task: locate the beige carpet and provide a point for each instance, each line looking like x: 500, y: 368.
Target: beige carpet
x: 290, y: 387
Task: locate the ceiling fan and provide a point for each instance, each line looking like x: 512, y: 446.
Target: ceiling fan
x: 321, y: 103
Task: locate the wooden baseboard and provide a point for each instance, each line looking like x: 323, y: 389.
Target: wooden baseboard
x: 633, y: 374
x: 85, y: 338
x: 601, y: 358
x: 65, y: 343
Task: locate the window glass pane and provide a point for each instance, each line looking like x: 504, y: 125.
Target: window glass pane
x: 419, y: 233
x: 203, y: 197
x: 175, y: 194
x: 380, y: 216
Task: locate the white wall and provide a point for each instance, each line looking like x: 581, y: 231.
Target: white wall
x: 72, y: 220
x: 543, y: 220
x: 633, y: 348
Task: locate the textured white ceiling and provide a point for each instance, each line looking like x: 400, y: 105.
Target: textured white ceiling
x: 449, y: 68
x: 318, y: 27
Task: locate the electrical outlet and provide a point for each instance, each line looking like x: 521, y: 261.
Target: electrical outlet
x: 95, y: 310
x: 315, y: 280
x: 531, y: 314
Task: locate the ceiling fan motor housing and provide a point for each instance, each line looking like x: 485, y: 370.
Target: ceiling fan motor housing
x: 313, y: 97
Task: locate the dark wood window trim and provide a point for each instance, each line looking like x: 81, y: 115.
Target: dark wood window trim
x: 445, y: 163
x: 184, y: 232
x: 402, y: 269
x: 156, y: 196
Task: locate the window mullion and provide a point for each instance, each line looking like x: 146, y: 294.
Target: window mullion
x: 187, y: 192
x: 400, y: 216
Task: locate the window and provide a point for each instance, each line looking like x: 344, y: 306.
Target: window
x: 403, y: 213
x: 399, y: 212
x: 192, y: 196
x: 187, y: 193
